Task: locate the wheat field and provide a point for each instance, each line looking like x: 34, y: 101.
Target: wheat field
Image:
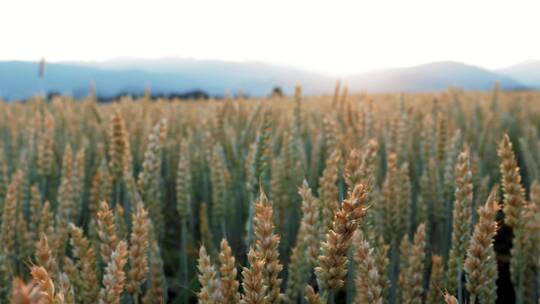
x: 386, y: 198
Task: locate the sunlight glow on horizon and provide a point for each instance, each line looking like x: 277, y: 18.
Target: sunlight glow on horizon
x: 331, y: 37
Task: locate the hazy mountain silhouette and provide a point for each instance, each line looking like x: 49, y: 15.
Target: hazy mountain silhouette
x: 527, y: 72
x: 19, y: 79
x: 434, y: 76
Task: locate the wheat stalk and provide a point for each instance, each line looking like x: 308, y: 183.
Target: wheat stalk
x: 253, y: 289
x: 266, y: 247
x: 210, y: 292
x: 106, y: 231
x: 461, y: 222
x: 332, y: 267
x: 305, y: 252
x: 138, y: 251
x: 413, y: 276
x: 42, y: 279
x: 44, y: 255
x: 86, y: 264
x: 511, y: 182
x: 329, y: 191
x: 480, y: 265
x: 436, y: 281
x: 114, y: 276
x: 368, y: 276
x: 22, y: 293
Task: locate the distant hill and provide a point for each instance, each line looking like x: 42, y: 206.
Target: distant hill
x: 527, y: 72
x: 19, y: 79
x: 434, y: 76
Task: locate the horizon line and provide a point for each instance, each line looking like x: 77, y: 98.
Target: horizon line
x: 112, y: 60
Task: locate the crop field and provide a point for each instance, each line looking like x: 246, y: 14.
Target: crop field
x: 384, y: 198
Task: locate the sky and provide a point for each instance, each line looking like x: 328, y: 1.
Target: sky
x: 332, y: 37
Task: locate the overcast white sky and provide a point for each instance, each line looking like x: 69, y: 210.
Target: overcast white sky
x: 333, y: 37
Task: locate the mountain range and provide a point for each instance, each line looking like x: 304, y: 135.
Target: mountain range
x: 20, y: 79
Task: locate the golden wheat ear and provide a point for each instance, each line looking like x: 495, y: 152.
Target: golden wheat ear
x: 22, y: 293
x: 413, y: 276
x: 267, y: 247
x: 450, y: 299
x: 252, y: 277
x: 462, y: 221
x: 311, y: 296
x: 106, y: 231
x: 114, y: 276
x: 228, y: 274
x: 44, y: 255
x: 333, y: 260
x: 368, y: 276
x: 138, y: 251
x: 480, y: 265
x: 511, y: 182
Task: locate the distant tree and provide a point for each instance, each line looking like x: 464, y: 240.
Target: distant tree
x: 188, y: 95
x: 194, y: 94
x: 53, y: 94
x: 277, y: 92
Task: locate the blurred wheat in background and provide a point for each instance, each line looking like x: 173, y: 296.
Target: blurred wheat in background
x: 387, y: 198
